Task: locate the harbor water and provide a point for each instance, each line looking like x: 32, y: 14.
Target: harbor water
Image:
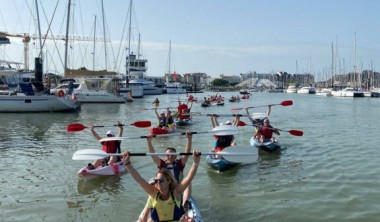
x: 331, y: 173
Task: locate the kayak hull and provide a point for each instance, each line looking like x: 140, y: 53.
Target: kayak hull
x: 157, y: 130
x: 109, y: 170
x: 269, y: 147
x: 219, y: 164
x: 184, y: 122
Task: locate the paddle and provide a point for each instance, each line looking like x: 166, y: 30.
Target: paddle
x: 233, y: 154
x: 230, y: 130
x: 157, y: 108
x: 75, y: 127
x: 283, y: 103
x: 292, y: 132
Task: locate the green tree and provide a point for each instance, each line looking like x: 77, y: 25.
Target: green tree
x: 219, y: 82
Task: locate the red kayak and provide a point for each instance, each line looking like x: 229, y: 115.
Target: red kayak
x: 158, y: 130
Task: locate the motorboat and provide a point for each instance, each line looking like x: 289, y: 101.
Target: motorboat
x: 25, y: 99
x: 148, y: 86
x: 291, y: 89
x: 174, y: 88
x: 348, y: 92
x: 307, y: 90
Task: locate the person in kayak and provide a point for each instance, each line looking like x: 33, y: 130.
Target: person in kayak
x: 174, y: 165
x: 156, y: 102
x: 164, y: 121
x: 256, y: 121
x: 223, y: 141
x: 108, y: 147
x: 265, y: 132
x: 166, y: 200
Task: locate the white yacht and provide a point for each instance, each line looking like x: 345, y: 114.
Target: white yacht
x: 291, y: 89
x: 307, y: 90
x: 348, y: 92
x: 137, y: 68
x: 324, y: 92
x: 174, y: 88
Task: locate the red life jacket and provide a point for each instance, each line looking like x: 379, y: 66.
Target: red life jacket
x: 111, y: 146
x: 267, y: 132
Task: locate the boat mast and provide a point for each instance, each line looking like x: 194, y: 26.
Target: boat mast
x: 129, y: 42
x: 104, y: 36
x: 93, y: 52
x: 67, y: 34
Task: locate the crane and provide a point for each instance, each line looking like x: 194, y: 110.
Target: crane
x: 26, y: 38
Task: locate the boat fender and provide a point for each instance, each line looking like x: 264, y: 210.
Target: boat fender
x: 61, y: 93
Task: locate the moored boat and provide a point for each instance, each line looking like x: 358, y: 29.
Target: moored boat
x: 269, y: 147
x: 109, y: 170
x: 220, y: 163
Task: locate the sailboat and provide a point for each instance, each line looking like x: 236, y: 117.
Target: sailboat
x: 173, y: 87
x: 32, y: 96
x: 95, y: 86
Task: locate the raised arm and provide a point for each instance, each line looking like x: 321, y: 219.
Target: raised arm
x: 155, y: 111
x: 236, y: 121
x: 121, y: 129
x: 136, y: 176
x: 190, y: 175
x: 95, y: 134
x: 155, y: 159
x: 184, y: 158
x: 269, y: 110
x: 249, y: 116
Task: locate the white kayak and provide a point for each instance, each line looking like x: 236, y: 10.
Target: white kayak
x: 109, y: 170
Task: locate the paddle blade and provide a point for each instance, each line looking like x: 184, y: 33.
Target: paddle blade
x: 75, y: 127
x: 241, y: 123
x: 142, y: 124
x: 233, y: 109
x: 286, y: 103
x: 238, y: 154
x: 89, y: 154
x: 296, y: 132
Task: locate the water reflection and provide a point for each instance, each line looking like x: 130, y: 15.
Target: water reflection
x: 101, y: 184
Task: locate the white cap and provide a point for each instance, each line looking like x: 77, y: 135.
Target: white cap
x: 228, y: 122
x: 110, y: 132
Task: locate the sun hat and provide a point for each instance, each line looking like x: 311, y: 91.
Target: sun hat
x: 110, y: 132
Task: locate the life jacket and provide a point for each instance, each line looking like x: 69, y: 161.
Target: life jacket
x: 111, y: 146
x: 223, y: 142
x: 176, y: 169
x: 162, y: 121
x: 166, y: 210
x: 267, y: 132
x: 170, y: 121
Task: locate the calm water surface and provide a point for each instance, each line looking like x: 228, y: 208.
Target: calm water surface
x: 329, y: 174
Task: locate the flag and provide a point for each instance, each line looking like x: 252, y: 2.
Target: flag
x: 175, y: 76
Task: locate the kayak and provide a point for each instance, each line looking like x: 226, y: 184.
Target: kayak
x: 205, y: 104
x: 269, y: 147
x: 183, y: 122
x: 192, y: 211
x: 219, y: 164
x: 109, y: 170
x: 158, y: 130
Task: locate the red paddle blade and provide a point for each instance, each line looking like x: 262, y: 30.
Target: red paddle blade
x: 142, y: 124
x: 287, y: 103
x: 296, y: 132
x: 75, y: 127
x: 236, y: 108
x: 241, y: 123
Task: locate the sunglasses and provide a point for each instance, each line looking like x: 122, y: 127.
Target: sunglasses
x: 109, y: 135
x: 161, y: 180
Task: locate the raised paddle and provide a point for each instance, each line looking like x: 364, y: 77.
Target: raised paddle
x: 283, y: 103
x: 157, y: 108
x: 75, y: 127
x: 292, y: 132
x: 233, y: 154
x: 221, y: 130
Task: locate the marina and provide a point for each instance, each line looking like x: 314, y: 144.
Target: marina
x: 314, y: 165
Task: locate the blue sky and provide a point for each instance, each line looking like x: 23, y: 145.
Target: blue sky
x: 213, y: 36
